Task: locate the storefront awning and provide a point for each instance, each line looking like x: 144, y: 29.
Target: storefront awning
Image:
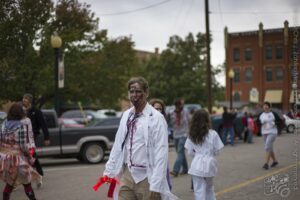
x: 273, y: 96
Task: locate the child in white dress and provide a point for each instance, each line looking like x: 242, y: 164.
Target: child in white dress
x: 204, y: 144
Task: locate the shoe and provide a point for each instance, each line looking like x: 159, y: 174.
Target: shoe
x: 174, y: 174
x: 183, y: 172
x: 274, y: 164
x: 40, y: 183
x: 266, y: 166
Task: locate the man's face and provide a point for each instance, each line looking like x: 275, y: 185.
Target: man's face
x: 137, y: 95
x: 179, y: 105
x: 26, y: 102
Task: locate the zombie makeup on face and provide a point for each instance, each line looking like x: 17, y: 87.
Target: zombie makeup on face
x: 136, y: 95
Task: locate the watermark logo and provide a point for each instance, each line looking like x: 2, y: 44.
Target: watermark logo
x: 277, y: 184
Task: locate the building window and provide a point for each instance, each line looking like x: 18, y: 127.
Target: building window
x: 269, y: 74
x: 248, y: 54
x: 248, y: 75
x: 279, y: 74
x: 236, y: 96
x: 236, y: 54
x: 236, y: 77
x: 268, y: 52
x: 279, y: 52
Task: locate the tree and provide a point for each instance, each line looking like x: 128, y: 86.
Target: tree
x: 180, y: 71
x: 92, y: 61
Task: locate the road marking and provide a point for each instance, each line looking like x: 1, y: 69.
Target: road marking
x: 246, y: 183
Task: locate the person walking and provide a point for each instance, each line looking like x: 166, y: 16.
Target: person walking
x: 139, y: 155
x: 16, y: 144
x: 38, y: 122
x: 179, y: 123
x: 268, y: 123
x: 203, y: 144
x: 159, y: 105
x: 250, y: 128
x: 228, y: 118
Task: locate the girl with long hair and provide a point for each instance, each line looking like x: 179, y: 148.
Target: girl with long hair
x: 203, y: 144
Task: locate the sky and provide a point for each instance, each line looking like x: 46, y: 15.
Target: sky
x: 150, y: 23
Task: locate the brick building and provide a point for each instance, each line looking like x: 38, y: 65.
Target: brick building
x: 262, y: 62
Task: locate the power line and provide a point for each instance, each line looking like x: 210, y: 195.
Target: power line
x: 135, y: 10
x: 251, y: 12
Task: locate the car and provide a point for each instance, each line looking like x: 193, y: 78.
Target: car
x: 217, y: 124
x: 189, y: 107
x: 105, y: 113
x: 291, y: 124
x: 69, y: 123
x: 88, y: 144
x: 192, y: 107
x: 111, y: 121
x: 82, y: 117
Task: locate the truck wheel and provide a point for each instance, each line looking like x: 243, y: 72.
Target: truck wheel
x: 93, y: 152
x: 290, y: 128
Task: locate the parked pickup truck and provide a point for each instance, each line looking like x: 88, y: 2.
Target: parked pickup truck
x: 88, y: 144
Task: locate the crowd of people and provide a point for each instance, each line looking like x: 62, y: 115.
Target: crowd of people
x: 139, y: 157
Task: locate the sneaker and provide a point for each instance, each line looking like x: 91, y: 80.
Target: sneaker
x: 174, y: 173
x: 274, y: 164
x: 266, y: 166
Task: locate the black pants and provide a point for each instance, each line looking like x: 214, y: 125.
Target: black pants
x: 38, y: 165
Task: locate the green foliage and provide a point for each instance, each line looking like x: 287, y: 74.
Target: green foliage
x: 96, y: 68
x: 180, y: 71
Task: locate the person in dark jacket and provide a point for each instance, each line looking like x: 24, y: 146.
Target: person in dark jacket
x: 227, y: 119
x: 38, y: 122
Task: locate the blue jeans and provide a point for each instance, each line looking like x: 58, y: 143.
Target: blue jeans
x: 231, y: 133
x: 181, y: 159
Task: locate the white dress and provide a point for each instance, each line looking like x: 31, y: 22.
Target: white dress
x: 204, y: 163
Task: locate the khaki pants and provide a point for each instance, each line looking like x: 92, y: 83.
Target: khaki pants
x: 129, y: 190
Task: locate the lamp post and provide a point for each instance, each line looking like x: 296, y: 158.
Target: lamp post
x: 56, y: 44
x: 231, y: 76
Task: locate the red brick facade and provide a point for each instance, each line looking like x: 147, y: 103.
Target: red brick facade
x: 263, y: 60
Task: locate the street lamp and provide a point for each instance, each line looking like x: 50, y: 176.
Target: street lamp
x: 56, y: 44
x: 231, y: 76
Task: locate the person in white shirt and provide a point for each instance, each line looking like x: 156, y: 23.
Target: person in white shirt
x: 203, y: 144
x: 269, y: 131
x: 139, y: 155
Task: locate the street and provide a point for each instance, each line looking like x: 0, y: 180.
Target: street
x: 240, y: 176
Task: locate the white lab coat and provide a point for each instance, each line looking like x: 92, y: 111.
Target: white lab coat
x: 156, y: 140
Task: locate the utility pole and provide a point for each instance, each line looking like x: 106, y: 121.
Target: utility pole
x: 208, y: 66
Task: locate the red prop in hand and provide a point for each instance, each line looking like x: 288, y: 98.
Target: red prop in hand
x: 104, y: 179
x: 31, y: 151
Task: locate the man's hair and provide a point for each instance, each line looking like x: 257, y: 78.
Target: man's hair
x: 15, y: 112
x: 29, y: 97
x: 177, y: 101
x: 140, y: 80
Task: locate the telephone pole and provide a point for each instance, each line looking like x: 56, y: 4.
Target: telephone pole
x: 208, y: 66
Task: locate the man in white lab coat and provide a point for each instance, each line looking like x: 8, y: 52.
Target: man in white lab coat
x: 139, y: 156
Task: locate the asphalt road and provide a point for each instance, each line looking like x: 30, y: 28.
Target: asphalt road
x: 240, y: 176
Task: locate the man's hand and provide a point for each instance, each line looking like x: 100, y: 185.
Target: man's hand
x: 47, y: 142
x: 154, y: 196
